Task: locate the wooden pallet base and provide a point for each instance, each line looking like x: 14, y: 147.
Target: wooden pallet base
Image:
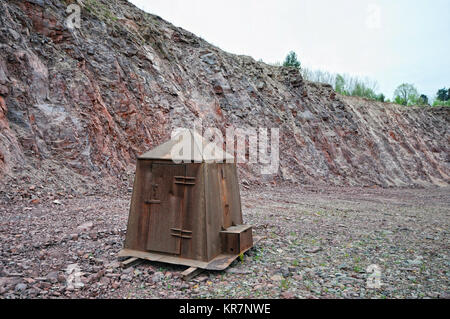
x: 221, y: 262
x: 186, y: 275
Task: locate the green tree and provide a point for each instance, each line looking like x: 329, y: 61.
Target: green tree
x: 422, y: 100
x: 339, y: 84
x: 380, y: 97
x: 406, y: 94
x: 399, y: 100
x: 363, y: 91
x: 443, y: 94
x: 291, y: 60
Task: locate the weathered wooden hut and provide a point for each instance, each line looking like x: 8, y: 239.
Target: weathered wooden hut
x: 186, y: 208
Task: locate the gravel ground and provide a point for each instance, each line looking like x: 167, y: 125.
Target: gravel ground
x: 316, y: 243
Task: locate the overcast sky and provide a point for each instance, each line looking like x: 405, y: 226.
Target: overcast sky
x: 390, y: 41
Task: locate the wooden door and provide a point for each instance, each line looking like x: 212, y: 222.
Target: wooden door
x: 165, y: 202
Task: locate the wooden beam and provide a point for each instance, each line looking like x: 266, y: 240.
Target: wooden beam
x: 190, y: 273
x: 131, y: 262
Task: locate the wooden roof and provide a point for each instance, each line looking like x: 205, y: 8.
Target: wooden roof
x: 202, y: 150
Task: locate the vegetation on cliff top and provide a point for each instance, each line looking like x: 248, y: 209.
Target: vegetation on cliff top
x: 405, y: 94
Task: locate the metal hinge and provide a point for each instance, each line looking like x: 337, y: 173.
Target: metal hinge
x: 181, y: 233
x: 184, y: 180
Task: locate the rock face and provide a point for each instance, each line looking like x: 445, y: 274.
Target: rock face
x: 82, y: 103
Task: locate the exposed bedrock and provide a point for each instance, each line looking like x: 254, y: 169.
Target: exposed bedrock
x: 83, y: 103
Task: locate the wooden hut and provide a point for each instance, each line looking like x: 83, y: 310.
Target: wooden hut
x: 186, y: 208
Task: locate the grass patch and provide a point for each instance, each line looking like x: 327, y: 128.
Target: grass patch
x: 101, y: 11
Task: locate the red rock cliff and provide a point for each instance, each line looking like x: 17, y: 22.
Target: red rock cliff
x: 78, y: 104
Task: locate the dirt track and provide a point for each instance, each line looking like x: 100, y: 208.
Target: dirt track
x: 317, y: 243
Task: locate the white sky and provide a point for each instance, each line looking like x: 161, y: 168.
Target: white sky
x: 392, y: 42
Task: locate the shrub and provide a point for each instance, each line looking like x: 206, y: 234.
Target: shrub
x: 292, y: 61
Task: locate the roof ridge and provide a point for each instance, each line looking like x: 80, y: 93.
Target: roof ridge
x: 197, y: 143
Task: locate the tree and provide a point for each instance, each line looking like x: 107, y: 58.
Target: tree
x: 406, y: 94
x: 399, y: 100
x: 380, y: 97
x: 291, y: 60
x: 422, y: 100
x: 339, y: 84
x: 443, y: 94
x: 362, y: 90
